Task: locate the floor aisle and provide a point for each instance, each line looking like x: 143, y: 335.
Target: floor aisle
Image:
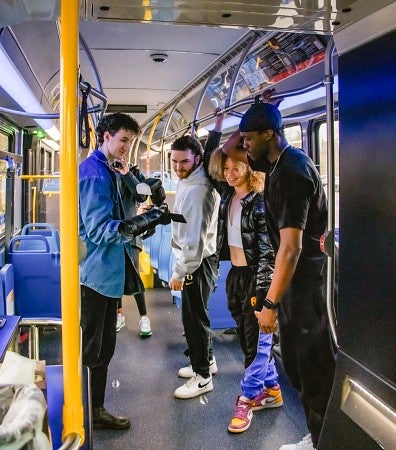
x: 143, y: 376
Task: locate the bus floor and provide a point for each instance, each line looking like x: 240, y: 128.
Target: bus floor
x: 143, y: 376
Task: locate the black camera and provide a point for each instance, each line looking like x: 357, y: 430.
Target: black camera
x: 153, y: 188
x: 116, y: 164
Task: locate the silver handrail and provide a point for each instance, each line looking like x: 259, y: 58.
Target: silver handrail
x: 72, y: 441
x: 329, y: 83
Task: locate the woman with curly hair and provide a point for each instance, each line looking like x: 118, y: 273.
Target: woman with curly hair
x: 243, y: 239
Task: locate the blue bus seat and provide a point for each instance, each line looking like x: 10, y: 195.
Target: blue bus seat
x: 172, y: 259
x: 55, y: 400
x: 36, y: 277
x: 155, y: 245
x: 164, y: 255
x: 42, y: 229
x: 177, y: 298
x: 7, y: 287
x: 2, y: 300
x: 219, y: 314
x: 147, y: 244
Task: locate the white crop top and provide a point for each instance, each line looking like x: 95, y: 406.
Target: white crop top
x: 234, y: 227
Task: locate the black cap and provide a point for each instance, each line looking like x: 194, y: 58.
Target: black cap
x: 261, y: 117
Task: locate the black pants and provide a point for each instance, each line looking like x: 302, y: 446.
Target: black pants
x: 98, y: 324
x: 195, y: 295
x: 306, y: 346
x: 240, y: 287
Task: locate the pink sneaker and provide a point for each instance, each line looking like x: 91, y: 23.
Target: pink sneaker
x: 242, y: 417
x: 268, y: 398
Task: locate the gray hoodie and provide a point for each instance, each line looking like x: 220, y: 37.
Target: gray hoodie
x: 195, y: 240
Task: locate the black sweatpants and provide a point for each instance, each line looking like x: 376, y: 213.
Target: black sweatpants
x: 195, y: 295
x: 307, y: 350
x: 98, y: 324
x: 240, y: 287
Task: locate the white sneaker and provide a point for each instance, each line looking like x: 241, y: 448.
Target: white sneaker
x: 304, y: 444
x: 195, y: 386
x: 187, y: 372
x: 145, y: 327
x: 120, y: 322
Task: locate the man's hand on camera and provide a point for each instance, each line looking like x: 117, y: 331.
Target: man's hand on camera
x: 121, y: 166
x: 165, y: 219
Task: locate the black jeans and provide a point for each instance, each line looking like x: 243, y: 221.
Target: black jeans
x: 240, y: 287
x: 98, y: 324
x: 195, y: 295
x: 307, y: 350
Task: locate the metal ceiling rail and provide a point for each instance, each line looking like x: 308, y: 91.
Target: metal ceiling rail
x: 230, y: 109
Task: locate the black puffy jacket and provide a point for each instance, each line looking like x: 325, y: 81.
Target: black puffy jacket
x: 256, y: 243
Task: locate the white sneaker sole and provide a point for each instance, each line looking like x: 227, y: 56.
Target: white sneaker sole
x: 145, y: 334
x: 181, y: 393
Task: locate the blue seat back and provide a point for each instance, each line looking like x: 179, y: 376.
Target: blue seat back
x: 164, y: 256
x: 147, y: 244
x: 36, y: 276
x: 219, y: 314
x: 42, y: 229
x: 7, y: 288
x: 155, y: 246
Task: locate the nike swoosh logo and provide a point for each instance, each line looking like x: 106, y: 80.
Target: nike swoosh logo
x: 203, y: 385
x: 188, y: 284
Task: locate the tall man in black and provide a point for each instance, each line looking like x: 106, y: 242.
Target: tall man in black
x: 296, y: 211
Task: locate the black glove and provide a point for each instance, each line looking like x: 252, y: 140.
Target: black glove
x: 143, y: 222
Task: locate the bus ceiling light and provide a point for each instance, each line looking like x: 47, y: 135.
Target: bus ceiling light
x: 12, y: 82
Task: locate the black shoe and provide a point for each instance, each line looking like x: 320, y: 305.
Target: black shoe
x: 103, y: 420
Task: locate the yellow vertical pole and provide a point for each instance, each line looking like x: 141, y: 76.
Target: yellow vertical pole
x: 149, y: 139
x: 73, y: 415
x: 34, y: 198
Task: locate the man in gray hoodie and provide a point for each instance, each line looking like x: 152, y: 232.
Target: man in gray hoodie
x: 195, y: 269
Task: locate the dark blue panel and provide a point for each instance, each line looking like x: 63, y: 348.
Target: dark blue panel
x: 367, y: 289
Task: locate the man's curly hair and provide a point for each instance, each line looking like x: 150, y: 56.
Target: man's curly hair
x: 113, y: 123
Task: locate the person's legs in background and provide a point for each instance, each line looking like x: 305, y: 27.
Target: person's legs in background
x: 144, y: 322
x: 120, y: 316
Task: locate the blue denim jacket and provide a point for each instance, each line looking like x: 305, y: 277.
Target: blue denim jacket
x: 100, y: 212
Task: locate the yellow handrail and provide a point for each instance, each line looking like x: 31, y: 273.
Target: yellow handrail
x: 34, y: 199
x: 73, y: 415
x: 149, y: 139
x: 37, y: 177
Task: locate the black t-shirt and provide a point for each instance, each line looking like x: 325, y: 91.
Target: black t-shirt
x: 294, y: 198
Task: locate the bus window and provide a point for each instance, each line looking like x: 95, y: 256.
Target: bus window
x: 322, y: 162
x: 293, y: 135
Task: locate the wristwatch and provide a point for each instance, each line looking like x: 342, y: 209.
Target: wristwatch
x: 267, y: 303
